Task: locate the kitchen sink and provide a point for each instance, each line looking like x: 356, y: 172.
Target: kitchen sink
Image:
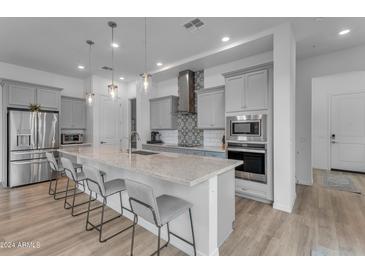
x: 143, y: 152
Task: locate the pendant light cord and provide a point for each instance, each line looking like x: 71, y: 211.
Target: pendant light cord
x: 112, y: 57
x: 145, y: 45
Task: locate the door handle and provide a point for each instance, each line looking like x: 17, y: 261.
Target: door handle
x: 102, y: 142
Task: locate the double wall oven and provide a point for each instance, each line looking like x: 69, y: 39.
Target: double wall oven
x: 247, y: 141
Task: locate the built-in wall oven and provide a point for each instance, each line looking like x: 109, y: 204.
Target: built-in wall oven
x: 250, y: 128
x: 254, y: 157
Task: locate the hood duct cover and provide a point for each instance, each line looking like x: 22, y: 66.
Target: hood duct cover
x: 186, y: 91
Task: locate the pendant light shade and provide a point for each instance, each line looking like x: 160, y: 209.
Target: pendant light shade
x: 146, y: 76
x: 89, y: 93
x: 112, y: 88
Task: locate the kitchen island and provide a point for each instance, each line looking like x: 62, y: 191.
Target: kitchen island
x: 208, y: 183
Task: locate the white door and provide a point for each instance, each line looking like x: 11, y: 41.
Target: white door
x: 348, y: 132
x: 110, y: 116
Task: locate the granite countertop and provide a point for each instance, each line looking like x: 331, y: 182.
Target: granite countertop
x: 203, y: 148
x: 177, y: 168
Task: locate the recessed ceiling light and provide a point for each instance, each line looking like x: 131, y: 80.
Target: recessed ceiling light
x: 81, y: 67
x: 344, y: 32
x: 159, y: 64
x: 115, y: 45
x: 121, y: 78
x: 225, y: 39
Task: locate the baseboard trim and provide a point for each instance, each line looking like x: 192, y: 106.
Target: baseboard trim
x: 284, y: 207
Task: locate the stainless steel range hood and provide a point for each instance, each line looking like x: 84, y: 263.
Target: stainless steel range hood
x: 186, y: 91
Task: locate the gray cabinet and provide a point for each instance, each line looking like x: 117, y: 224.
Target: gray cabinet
x: 23, y: 95
x: 247, y: 90
x: 48, y: 99
x: 211, y: 110
x: 163, y: 113
x: 73, y: 113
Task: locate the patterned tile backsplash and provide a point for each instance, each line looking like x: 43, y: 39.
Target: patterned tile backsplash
x: 188, y: 132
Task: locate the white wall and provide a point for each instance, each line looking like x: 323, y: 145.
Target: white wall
x: 73, y: 87
x: 322, y: 89
x: 213, y: 76
x: 337, y: 62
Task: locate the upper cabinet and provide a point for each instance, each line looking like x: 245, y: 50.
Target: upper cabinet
x: 163, y: 112
x: 211, y: 108
x: 48, y: 99
x: 247, y: 90
x: 23, y: 95
x: 73, y: 113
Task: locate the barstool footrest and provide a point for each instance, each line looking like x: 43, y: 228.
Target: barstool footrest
x: 181, y: 238
x: 80, y: 204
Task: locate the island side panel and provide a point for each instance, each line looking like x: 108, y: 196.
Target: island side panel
x: 204, y: 212
x: 226, y: 205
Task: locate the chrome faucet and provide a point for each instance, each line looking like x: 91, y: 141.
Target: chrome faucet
x: 130, y: 141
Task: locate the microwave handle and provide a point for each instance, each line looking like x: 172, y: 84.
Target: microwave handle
x: 247, y: 150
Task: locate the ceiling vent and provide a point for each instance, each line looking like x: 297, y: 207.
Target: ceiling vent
x: 194, y: 25
x: 107, y: 68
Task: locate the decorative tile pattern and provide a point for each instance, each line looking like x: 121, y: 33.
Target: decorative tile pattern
x: 188, y: 133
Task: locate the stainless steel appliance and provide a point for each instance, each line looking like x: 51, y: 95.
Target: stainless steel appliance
x: 254, y: 157
x: 186, y: 92
x: 30, y: 135
x: 72, y: 138
x: 250, y: 128
x: 155, y: 138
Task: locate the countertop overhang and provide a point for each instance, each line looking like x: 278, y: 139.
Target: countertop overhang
x: 188, y: 170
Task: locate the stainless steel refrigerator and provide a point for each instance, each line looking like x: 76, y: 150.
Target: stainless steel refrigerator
x: 30, y: 135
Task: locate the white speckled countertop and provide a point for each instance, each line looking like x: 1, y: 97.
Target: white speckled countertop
x: 203, y: 148
x: 183, y: 169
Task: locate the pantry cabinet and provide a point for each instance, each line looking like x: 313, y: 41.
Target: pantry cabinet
x: 163, y: 113
x: 211, y: 108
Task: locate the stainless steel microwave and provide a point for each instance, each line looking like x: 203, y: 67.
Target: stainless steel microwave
x: 67, y: 139
x: 247, y: 128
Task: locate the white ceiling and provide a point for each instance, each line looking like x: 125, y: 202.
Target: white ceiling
x: 58, y: 44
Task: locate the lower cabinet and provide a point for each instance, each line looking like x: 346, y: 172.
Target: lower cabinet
x: 188, y: 151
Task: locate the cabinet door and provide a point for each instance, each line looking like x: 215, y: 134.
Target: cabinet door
x: 78, y: 115
x: 66, y: 113
x: 21, y: 95
x: 234, y: 93
x: 154, y: 114
x: 205, y: 111
x: 256, y: 90
x: 217, y: 108
x: 48, y: 99
x: 165, y: 116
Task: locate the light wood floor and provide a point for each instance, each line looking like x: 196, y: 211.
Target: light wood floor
x: 324, y: 222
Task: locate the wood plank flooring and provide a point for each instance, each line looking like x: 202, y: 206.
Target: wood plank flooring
x: 324, y: 222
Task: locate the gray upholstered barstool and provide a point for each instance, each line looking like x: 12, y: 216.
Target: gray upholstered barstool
x: 96, y: 184
x: 79, y: 179
x: 57, y: 173
x: 160, y: 211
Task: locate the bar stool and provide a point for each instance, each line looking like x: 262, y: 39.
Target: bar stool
x: 96, y: 184
x: 57, y: 172
x: 79, y: 178
x: 160, y: 211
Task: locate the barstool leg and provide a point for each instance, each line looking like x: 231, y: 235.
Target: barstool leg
x: 192, y: 231
x: 88, y: 212
x: 158, y: 241
x: 66, y: 196
x: 168, y: 234
x: 102, y: 221
x: 133, y: 231
x: 121, y: 203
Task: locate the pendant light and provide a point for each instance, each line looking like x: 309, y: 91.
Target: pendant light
x: 146, y: 76
x: 112, y: 89
x: 89, y: 93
